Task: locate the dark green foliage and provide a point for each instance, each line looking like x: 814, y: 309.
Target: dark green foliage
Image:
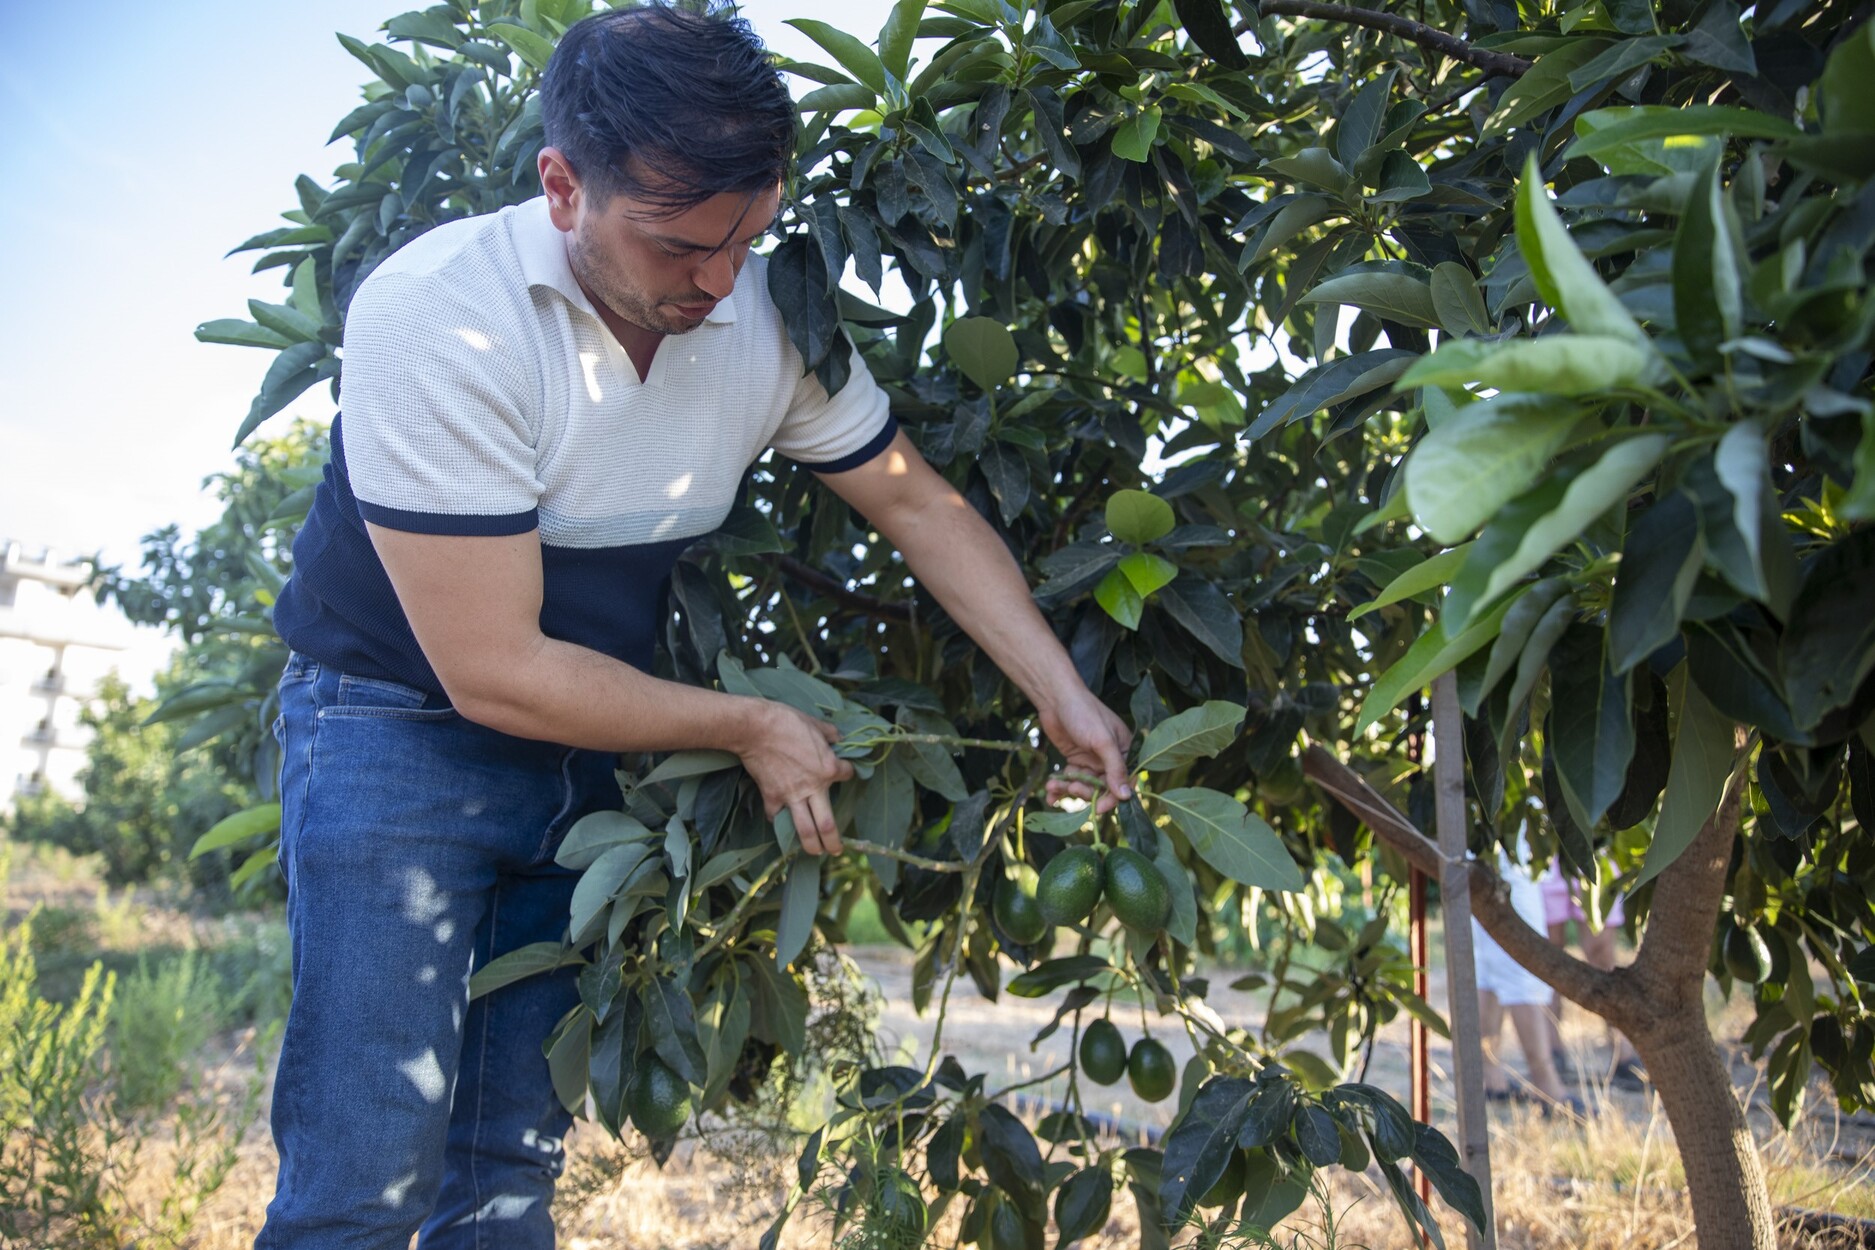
x: 1226, y: 352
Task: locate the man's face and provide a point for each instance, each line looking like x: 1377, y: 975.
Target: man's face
x: 666, y: 273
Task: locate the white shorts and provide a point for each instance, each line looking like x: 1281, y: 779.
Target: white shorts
x: 1498, y: 973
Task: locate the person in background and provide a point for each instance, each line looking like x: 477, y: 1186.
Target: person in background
x: 1561, y: 908
x: 1507, y: 988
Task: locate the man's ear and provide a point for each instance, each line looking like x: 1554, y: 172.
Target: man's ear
x: 561, y: 185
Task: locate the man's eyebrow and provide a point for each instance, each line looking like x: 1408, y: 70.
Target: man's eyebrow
x: 691, y: 245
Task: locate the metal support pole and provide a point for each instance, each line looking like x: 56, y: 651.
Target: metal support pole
x: 1461, y: 974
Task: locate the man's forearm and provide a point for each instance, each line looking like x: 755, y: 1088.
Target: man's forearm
x: 561, y: 692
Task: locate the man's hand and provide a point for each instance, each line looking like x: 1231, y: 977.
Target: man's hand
x: 1093, y: 741
x: 790, y: 756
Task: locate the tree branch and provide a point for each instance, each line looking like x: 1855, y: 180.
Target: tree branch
x: 1416, y: 32
x: 1598, y: 991
x: 839, y: 591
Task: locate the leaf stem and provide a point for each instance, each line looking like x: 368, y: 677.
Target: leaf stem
x: 905, y: 857
x: 743, y: 905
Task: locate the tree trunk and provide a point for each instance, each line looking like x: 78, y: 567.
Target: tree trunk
x: 1663, y: 1012
x: 1658, y: 1000
x: 1724, y: 1177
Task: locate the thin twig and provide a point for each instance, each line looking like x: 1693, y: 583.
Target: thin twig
x: 905, y: 857
x: 839, y: 591
x: 1417, y: 32
x: 1006, y: 1090
x: 747, y: 901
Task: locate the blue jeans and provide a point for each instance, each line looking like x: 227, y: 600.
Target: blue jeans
x: 417, y: 846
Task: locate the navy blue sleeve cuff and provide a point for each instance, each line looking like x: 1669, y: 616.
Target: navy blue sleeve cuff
x: 876, y: 444
x: 445, y: 523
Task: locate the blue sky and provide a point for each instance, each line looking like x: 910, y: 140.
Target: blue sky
x: 147, y: 140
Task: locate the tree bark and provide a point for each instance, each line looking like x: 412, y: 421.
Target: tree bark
x: 1663, y: 1014
x: 1658, y: 1000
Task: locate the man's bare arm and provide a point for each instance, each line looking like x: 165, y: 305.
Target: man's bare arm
x: 474, y: 604
x: 965, y: 566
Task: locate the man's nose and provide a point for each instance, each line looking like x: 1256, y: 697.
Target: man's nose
x: 716, y: 276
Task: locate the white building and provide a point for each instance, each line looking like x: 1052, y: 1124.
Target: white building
x: 56, y: 645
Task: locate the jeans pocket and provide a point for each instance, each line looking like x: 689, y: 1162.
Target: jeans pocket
x: 381, y: 697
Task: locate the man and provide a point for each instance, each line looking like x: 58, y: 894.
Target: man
x: 542, y: 407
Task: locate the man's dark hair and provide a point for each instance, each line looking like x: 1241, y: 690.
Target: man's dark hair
x: 668, y: 105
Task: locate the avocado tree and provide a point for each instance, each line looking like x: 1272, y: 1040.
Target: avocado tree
x: 1240, y: 323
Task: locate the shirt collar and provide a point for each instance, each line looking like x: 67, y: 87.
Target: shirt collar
x: 541, y: 246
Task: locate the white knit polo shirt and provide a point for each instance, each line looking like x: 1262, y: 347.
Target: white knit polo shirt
x: 482, y: 395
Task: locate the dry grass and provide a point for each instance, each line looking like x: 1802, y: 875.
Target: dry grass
x: 1611, y: 1181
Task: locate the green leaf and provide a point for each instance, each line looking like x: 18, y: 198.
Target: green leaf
x: 854, y: 56
x: 1591, y: 720
x: 1132, y: 138
x: 285, y: 320
x: 1457, y: 300
x: 1209, y: 27
x: 1429, y: 574
x: 1085, y: 1199
x: 422, y: 27
x: 254, y: 865
x: 1604, y: 130
x: 530, y: 47
x: 1182, y: 924
x: 984, y: 349
x: 1207, y: 615
x: 1845, y: 94
x: 594, y: 890
x: 1393, y: 296
x: 1147, y: 572
x: 1621, y: 60
x: 1702, y: 760
x: 1537, y: 525
x: 521, y: 963
x: 1232, y: 839
x: 1289, y: 221
x: 895, y: 40
x: 1707, y: 301
x: 1563, y: 276
x: 1461, y: 473
x: 238, y: 828
x: 1660, y: 562
x: 1202, y: 1143
x: 1542, y: 87
x: 1359, y: 124
x: 570, y: 1059
x: 1117, y: 596
x: 1742, y: 465
x: 237, y: 333
x: 1340, y: 380
x: 883, y: 813
x: 1139, y: 517
x: 595, y: 833
x: 800, y: 903
x: 671, y: 1020
x: 1197, y: 733
x: 838, y: 98
x: 1439, y: 1161
x: 1050, y: 975
x: 1828, y: 647
x: 1315, y: 166
x: 1556, y: 364
x: 680, y: 764
x: 1431, y: 654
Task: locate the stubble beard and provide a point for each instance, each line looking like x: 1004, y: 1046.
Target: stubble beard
x: 623, y: 302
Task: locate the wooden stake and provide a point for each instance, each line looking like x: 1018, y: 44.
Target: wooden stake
x: 1421, y: 1042
x: 1461, y: 975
